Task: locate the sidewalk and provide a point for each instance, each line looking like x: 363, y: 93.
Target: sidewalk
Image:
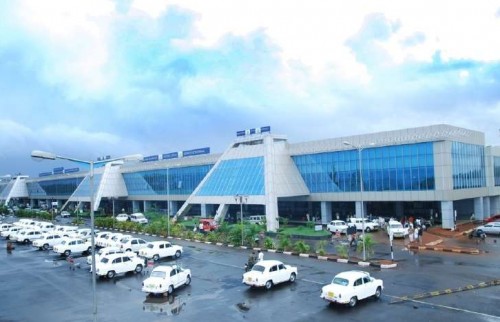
x: 446, y: 240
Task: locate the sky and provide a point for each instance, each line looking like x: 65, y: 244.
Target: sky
x: 90, y: 78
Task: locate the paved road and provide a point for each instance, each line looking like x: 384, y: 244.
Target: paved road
x: 38, y: 286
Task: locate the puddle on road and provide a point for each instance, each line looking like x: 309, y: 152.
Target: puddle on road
x: 167, y: 305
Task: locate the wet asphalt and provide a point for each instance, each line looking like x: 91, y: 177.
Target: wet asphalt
x: 39, y: 286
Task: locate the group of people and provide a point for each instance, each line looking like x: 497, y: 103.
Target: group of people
x: 415, y: 233
x: 254, y: 258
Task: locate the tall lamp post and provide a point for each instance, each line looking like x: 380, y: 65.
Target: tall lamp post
x: 36, y: 154
x: 361, y: 188
x: 168, y: 203
x: 241, y: 199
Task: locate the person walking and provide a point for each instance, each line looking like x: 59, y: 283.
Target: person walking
x: 71, y: 262
x: 416, y: 234
x: 260, y: 256
x: 420, y: 234
x: 411, y: 234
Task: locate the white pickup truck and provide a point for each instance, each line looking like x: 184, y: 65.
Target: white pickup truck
x: 358, y: 222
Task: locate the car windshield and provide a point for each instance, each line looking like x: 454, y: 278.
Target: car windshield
x: 105, y: 260
x: 396, y: 226
x: 258, y: 268
x: 340, y: 281
x: 150, y: 246
x: 158, y: 274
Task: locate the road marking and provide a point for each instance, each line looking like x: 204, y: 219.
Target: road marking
x: 311, y: 281
x: 444, y: 306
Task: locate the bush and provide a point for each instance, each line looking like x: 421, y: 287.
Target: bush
x: 320, y: 247
x: 301, y: 247
x: 369, y: 245
x: 342, y: 250
x: 269, y: 243
x: 284, y: 242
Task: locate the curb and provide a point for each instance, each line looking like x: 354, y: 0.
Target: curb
x: 472, y: 251
x: 446, y: 291
x: 303, y: 255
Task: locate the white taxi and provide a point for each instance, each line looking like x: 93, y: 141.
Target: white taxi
x: 160, y: 249
x: 164, y: 279
x: 267, y: 273
x: 111, y: 265
x: 351, y: 286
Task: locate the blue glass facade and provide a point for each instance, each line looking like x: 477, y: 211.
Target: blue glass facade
x: 84, y: 189
x: 238, y: 176
x: 408, y: 167
x: 58, y: 187
x: 496, y: 170
x: 181, y: 181
x: 468, y: 166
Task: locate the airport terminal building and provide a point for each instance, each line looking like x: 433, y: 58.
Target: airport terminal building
x: 439, y: 171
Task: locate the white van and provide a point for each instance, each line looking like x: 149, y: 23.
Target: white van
x: 259, y: 220
x: 138, y: 218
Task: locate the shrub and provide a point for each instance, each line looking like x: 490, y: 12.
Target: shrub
x: 342, y: 250
x: 301, y: 247
x: 284, y: 242
x: 269, y: 243
x: 320, y: 247
x: 369, y: 245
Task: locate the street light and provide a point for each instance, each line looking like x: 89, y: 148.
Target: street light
x: 360, y: 148
x: 36, y: 154
x: 168, y: 203
x: 241, y: 199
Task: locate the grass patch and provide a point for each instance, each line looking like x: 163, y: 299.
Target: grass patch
x: 303, y: 231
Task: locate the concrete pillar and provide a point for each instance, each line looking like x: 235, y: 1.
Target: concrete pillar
x: 399, y: 210
x: 204, y: 210
x: 494, y: 205
x: 479, y: 208
x: 326, y: 212
x: 272, y: 218
x: 221, y: 212
x: 147, y: 205
x: 135, y: 206
x: 447, y: 215
x: 358, y: 209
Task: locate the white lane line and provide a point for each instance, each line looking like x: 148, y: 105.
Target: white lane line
x: 313, y: 282
x: 445, y: 307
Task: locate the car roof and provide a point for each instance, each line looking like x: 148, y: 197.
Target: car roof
x: 113, y: 256
x: 269, y: 262
x: 163, y: 268
x: 352, y: 274
x: 157, y: 242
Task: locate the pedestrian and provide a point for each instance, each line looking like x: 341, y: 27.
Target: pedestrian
x: 416, y: 234
x: 260, y: 256
x: 420, y: 234
x: 200, y: 227
x: 71, y: 262
x: 411, y: 234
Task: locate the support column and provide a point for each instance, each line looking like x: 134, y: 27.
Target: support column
x: 447, y: 215
x: 204, y: 210
x: 479, y: 208
x: 135, y: 206
x: 272, y: 218
x: 326, y: 212
x: 358, y: 209
x: 147, y: 205
x: 494, y: 205
x: 399, y: 210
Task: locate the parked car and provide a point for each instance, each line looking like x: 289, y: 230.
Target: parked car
x: 65, y: 214
x: 492, y: 227
x: 493, y: 218
x: 164, y: 279
x: 359, y: 223
x: 122, y: 217
x: 160, y: 249
x: 267, y: 273
x: 396, y: 229
x: 103, y: 252
x: 48, y: 241
x: 351, y: 286
x: 26, y: 235
x: 100, y: 237
x: 111, y: 265
x: 138, y: 218
x: 45, y: 226
x: 12, y: 230
x: 103, y: 240
x: 4, y: 227
x: 114, y: 240
x: 71, y: 246
x: 258, y: 220
x: 337, y: 226
x: 208, y: 224
x: 132, y: 244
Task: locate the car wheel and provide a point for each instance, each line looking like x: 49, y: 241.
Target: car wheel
x: 269, y: 284
x: 188, y: 280
x: 138, y: 268
x: 67, y: 253
x: 378, y: 293
x: 292, y: 277
x: 170, y: 289
x: 156, y: 257
x: 89, y: 250
x: 111, y: 274
x: 45, y: 247
x: 353, y: 301
x: 178, y: 254
x: 368, y: 229
x: 128, y: 250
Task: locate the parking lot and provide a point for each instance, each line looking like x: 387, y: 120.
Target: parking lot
x: 39, y: 286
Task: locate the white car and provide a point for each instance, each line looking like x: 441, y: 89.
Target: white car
x: 491, y: 227
x: 72, y: 245
x: 396, y: 229
x: 267, y: 273
x: 368, y: 225
x: 48, y: 240
x: 103, y: 240
x: 12, y: 230
x: 114, y: 240
x: 65, y: 214
x: 138, y: 218
x: 160, y: 249
x: 4, y: 227
x: 337, y: 226
x: 122, y: 217
x: 26, y: 235
x: 101, y: 237
x: 351, y: 286
x: 132, y: 244
x: 105, y: 252
x: 66, y: 231
x: 45, y: 226
x: 164, y: 279
x: 111, y: 265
